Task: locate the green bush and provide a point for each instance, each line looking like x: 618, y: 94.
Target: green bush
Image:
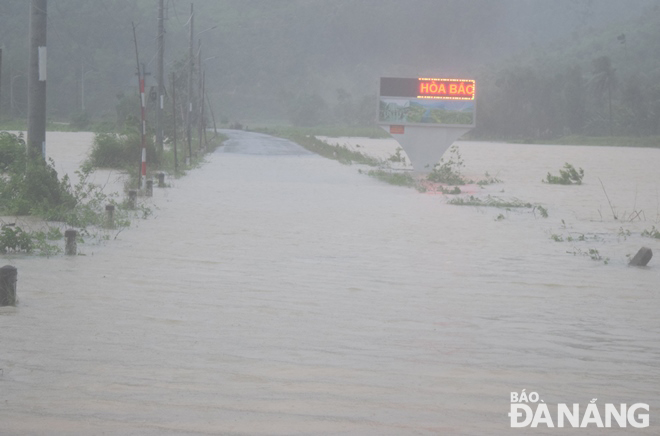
x: 653, y: 233
x: 567, y: 176
x: 12, y: 150
x: 34, y: 189
x: 14, y: 240
x: 30, y: 186
x: 120, y: 151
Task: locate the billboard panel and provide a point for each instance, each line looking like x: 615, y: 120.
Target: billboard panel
x: 427, y: 101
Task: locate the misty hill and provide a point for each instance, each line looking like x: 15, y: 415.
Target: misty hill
x: 592, y: 81
x: 310, y: 61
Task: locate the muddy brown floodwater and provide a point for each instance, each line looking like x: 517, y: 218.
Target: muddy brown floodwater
x: 284, y: 293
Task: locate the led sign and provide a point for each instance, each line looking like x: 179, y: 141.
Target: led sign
x: 446, y: 89
x: 427, y: 101
x: 451, y: 89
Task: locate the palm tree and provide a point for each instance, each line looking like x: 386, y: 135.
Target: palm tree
x: 604, y: 79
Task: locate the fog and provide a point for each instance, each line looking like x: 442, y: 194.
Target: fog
x: 263, y: 59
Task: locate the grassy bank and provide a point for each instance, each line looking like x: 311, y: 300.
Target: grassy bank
x: 610, y: 141
x: 604, y: 141
x: 331, y: 131
x: 307, y: 139
x: 21, y: 125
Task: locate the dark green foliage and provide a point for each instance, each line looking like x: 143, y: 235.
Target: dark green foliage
x: 567, y: 176
x: 542, y: 210
x: 488, y: 180
x: 14, y: 240
x: 12, y: 150
x: 454, y: 191
x: 399, y: 179
x: 652, y: 233
x: 34, y: 189
x: 112, y: 151
x: 489, y: 201
x: 121, y: 151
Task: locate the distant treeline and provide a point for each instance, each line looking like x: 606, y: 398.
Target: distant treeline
x: 309, y: 62
x: 596, y: 83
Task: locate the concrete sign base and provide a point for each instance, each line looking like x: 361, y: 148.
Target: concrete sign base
x: 425, y: 145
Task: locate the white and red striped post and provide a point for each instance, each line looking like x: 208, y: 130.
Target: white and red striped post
x: 143, y: 136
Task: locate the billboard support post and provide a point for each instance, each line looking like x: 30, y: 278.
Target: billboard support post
x: 426, y: 145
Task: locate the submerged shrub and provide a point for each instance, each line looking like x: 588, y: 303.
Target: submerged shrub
x: 120, y: 151
x: 449, y: 171
x: 567, y: 176
x: 399, y: 179
x: 30, y: 186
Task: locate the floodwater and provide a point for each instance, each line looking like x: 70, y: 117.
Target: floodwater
x: 284, y: 293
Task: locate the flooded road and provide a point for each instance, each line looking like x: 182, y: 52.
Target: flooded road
x: 278, y: 292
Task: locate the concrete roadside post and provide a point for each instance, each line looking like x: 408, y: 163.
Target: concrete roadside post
x: 71, y: 247
x: 642, y: 258
x: 132, y: 198
x: 110, y: 216
x: 8, y: 278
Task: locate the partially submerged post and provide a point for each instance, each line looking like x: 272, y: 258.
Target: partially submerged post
x: 8, y: 278
x: 161, y: 180
x: 642, y: 257
x: 150, y: 188
x: 71, y: 247
x: 426, y: 115
x: 110, y: 216
x: 132, y: 199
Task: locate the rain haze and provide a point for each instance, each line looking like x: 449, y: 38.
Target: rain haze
x: 272, y: 239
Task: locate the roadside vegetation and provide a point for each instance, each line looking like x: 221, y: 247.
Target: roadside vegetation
x: 31, y: 187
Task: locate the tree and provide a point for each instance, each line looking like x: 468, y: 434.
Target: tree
x: 604, y: 80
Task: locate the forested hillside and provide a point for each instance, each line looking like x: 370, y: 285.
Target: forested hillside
x: 602, y: 81
x: 543, y: 68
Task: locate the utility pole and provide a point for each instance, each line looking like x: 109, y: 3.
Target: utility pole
x: 203, y: 120
x: 200, y: 107
x: 176, y: 160
x: 0, y: 83
x: 191, y: 69
x: 201, y: 111
x: 36, y: 137
x: 142, y: 179
x: 161, y: 79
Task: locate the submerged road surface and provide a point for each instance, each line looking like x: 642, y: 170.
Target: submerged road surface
x: 257, y: 143
x: 277, y: 292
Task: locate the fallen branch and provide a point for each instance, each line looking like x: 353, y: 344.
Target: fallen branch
x: 608, y: 199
